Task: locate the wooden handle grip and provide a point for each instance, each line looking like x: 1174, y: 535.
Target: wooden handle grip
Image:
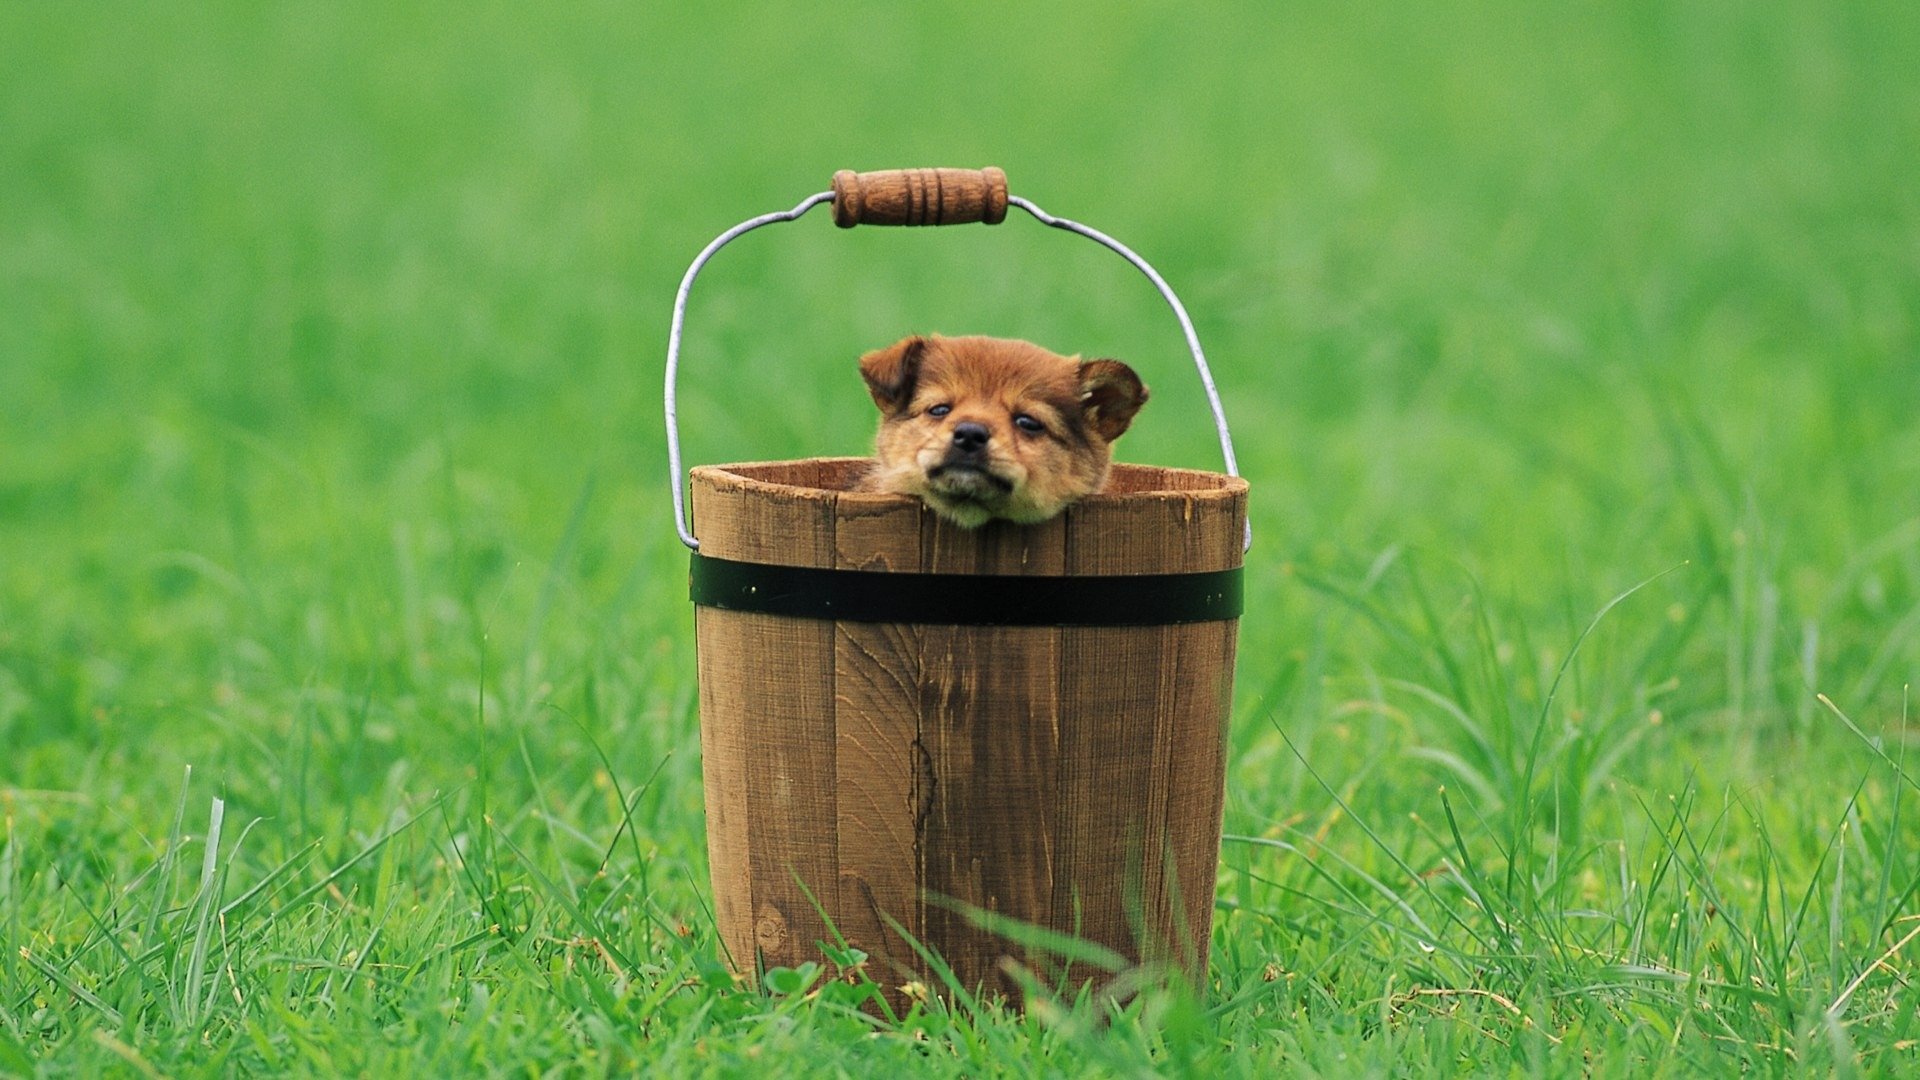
x: 919, y: 197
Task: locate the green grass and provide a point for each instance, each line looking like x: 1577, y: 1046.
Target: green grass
x: 1574, y: 355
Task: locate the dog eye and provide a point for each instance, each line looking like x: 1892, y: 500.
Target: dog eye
x: 940, y: 410
x: 1028, y: 424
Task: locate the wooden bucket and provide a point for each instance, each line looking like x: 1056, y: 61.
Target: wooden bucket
x: 906, y: 724
x: 887, y: 776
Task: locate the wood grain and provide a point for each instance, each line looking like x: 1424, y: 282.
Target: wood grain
x: 1196, y: 731
x: 879, y: 764
x: 723, y: 762
x: 919, y: 197
x: 1142, y: 748
x: 771, y: 681
x: 1067, y: 777
x: 990, y: 719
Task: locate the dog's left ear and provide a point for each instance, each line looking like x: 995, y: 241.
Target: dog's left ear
x: 1110, y: 393
x: 891, y: 373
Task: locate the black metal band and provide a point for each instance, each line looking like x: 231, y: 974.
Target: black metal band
x: 966, y: 599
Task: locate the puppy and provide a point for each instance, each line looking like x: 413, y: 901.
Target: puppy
x: 982, y: 428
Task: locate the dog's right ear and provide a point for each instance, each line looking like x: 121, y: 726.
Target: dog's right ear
x: 891, y: 373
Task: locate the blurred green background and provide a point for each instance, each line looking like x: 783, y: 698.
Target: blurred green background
x: 331, y: 337
x: 1565, y: 295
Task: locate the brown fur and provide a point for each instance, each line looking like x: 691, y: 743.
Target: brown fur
x: 1010, y: 472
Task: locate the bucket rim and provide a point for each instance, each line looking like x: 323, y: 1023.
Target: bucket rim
x: 1154, y: 481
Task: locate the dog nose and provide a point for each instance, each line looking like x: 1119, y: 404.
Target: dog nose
x: 970, y: 437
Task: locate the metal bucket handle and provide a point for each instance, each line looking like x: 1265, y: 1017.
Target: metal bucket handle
x: 916, y: 197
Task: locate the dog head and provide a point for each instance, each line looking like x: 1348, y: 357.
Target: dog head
x: 981, y: 427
